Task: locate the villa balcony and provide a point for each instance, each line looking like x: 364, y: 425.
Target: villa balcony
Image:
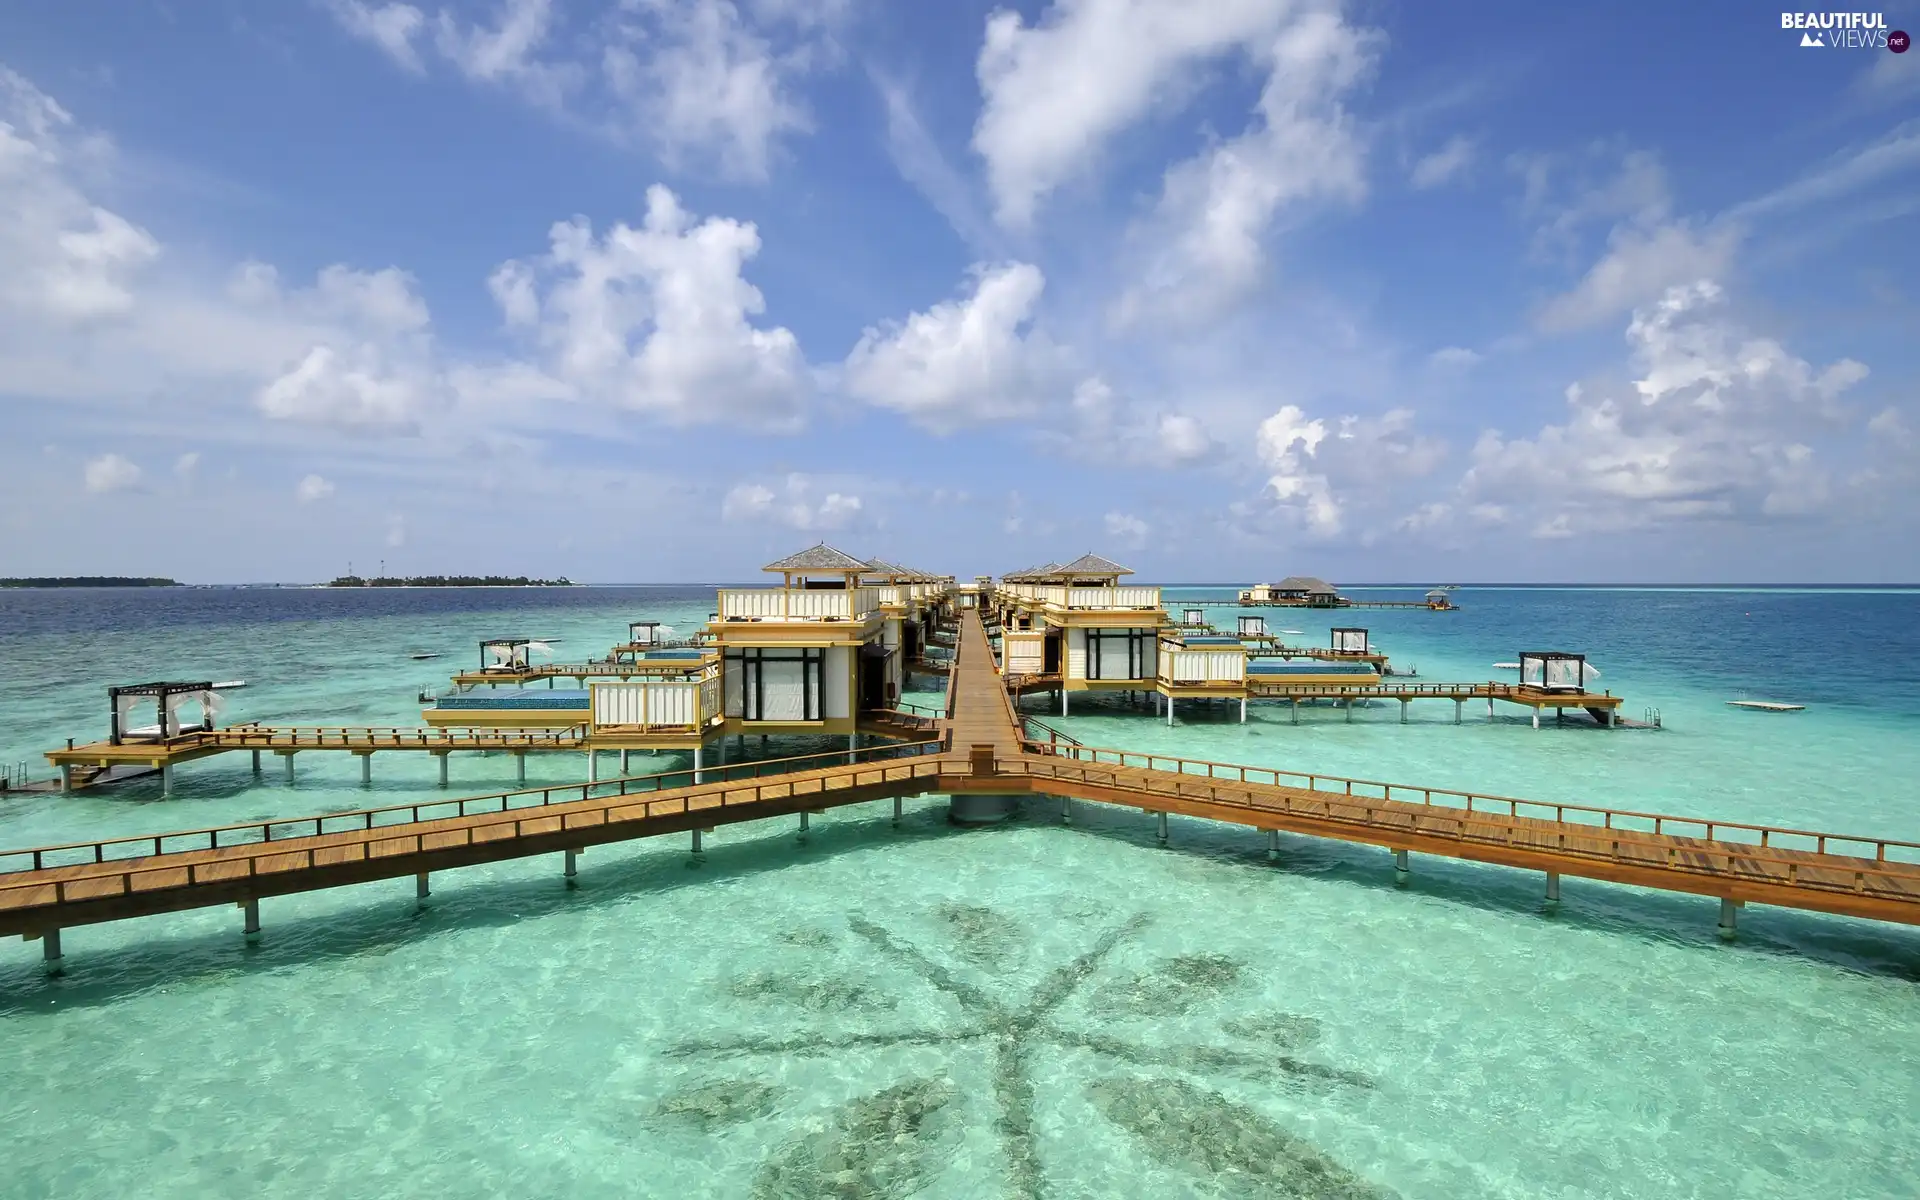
x: 799, y: 604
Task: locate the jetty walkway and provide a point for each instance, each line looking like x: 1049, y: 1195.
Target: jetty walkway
x: 980, y: 749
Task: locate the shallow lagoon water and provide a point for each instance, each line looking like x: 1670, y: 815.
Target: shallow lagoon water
x: 1031, y: 1009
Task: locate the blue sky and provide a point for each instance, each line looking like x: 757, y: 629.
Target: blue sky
x: 636, y: 290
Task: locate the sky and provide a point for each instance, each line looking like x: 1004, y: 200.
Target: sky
x: 659, y: 290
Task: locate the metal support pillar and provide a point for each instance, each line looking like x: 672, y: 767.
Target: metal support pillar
x: 626, y: 762
x: 520, y: 767
x: 1404, y: 705
x: 1066, y: 810
x: 1243, y: 710
x: 443, y: 767
x: 1348, y: 705
x: 66, y: 772
x: 1169, y: 712
x: 803, y: 826
x: 896, y: 812
x: 256, y: 762
x: 572, y: 870
x: 1729, y: 917
x: 251, y: 928
x: 1293, y: 707
x: 289, y: 757
x: 166, y: 780
x: 1400, y: 866
x: 50, y: 952
x: 420, y: 889
x: 1489, y: 708
x: 1273, y: 845
x: 1458, y: 707
x: 1063, y: 701
x: 1611, y: 713
x: 593, y: 766
x: 1536, y: 716
x: 696, y: 843
x: 699, y: 775
x: 366, y: 770
x: 1163, y: 829
x: 853, y: 747
x: 1559, y: 716
x: 1553, y: 887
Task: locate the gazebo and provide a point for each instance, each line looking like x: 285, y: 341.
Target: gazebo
x: 1555, y: 671
x: 1253, y: 626
x: 167, y: 699
x: 1349, y: 641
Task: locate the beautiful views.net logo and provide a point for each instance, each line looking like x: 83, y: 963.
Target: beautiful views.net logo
x: 1846, y: 31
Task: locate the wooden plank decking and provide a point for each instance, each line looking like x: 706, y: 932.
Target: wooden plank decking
x: 979, y: 711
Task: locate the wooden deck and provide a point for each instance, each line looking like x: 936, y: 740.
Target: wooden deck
x: 980, y: 750
x: 290, y: 739
x: 1603, y: 707
x: 520, y: 676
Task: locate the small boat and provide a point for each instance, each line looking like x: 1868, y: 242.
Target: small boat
x: 1507, y: 666
x: 229, y: 685
x: 1767, y: 705
x: 424, y: 654
x: 1294, y: 632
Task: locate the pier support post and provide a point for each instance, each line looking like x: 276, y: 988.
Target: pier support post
x: 1066, y: 810
x: 251, y: 928
x: 1536, y: 716
x: 853, y: 747
x: 1458, y: 707
x: 50, y: 952
x: 1400, y: 871
x: 1162, y: 833
x: 593, y: 766
x: 803, y: 826
x: 366, y: 770
x: 626, y: 761
x: 1273, y: 845
x: 256, y: 762
x: 288, y: 756
x: 1611, y: 713
x: 1169, y: 712
x: 1729, y: 918
x: 1489, y: 708
x: 420, y: 889
x: 1348, y: 705
x: 1553, y: 887
x: 696, y: 844
x: 166, y: 780
x: 896, y: 812
x: 1559, y: 716
x: 1243, y: 710
x: 699, y: 773
x: 1293, y: 709
x: 443, y: 767
x: 572, y: 870
x: 1404, y: 703
x: 66, y: 773
x: 520, y: 767
x: 1156, y: 703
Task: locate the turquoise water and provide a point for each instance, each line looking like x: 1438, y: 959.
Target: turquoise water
x: 1027, y: 1010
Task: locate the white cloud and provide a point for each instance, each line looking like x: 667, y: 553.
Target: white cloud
x: 1444, y: 164
x: 1287, y: 443
x: 1205, y: 242
x: 1127, y: 529
x: 391, y: 27
x: 1055, y: 93
x: 313, y: 488
x: 187, y: 464
x: 1453, y: 358
x: 799, y: 502
x: 111, y: 473
x: 1321, y: 474
x: 658, y: 320
x: 1106, y: 428
x: 1717, y: 425
x: 1640, y: 264
x: 962, y: 361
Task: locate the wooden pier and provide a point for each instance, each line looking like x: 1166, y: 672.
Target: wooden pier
x: 1603, y: 707
x: 980, y: 752
x: 663, y: 668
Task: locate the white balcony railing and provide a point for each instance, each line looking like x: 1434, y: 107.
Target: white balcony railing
x: 797, y: 604
x: 1092, y: 599
x: 690, y: 704
x: 1202, y: 666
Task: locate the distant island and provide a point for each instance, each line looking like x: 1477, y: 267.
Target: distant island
x: 347, y: 581
x: 93, y: 581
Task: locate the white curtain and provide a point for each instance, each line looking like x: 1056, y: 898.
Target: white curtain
x: 782, y: 690
x: 1113, y: 658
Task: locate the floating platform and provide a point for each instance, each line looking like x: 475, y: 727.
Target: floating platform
x: 1767, y: 705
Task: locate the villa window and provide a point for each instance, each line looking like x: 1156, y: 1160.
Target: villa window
x: 776, y: 685
x: 1121, y: 653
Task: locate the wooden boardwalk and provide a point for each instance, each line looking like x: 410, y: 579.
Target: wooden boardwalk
x: 980, y: 749
x: 1603, y: 707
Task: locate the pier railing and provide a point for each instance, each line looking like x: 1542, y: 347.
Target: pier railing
x: 1745, y: 839
x: 1273, y: 685
x: 1096, y: 599
x: 375, y: 737
x: 1179, y: 666
x: 400, y: 815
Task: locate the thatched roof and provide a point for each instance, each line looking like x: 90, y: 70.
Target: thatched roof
x: 818, y: 558
x: 1302, y: 583
x: 1093, y: 564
